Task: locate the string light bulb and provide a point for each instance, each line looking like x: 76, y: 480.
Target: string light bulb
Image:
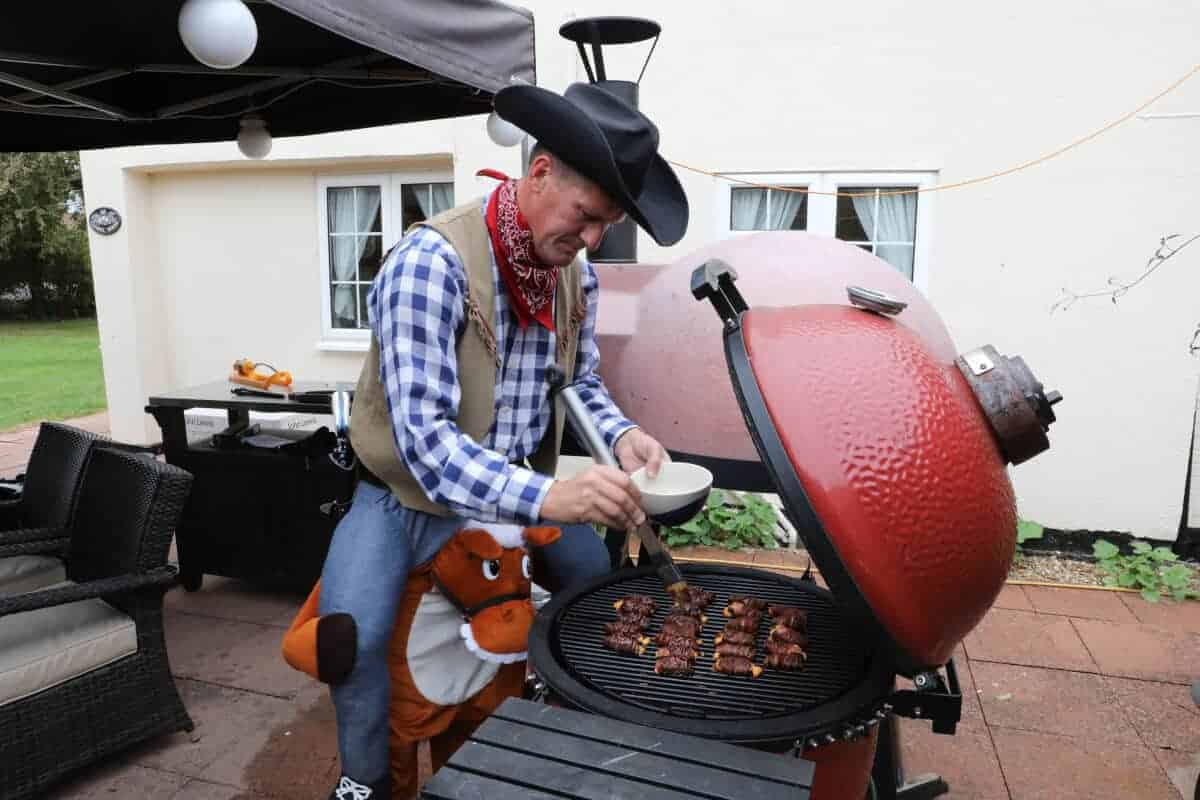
x: 503, y: 132
x: 221, y: 34
x: 254, y: 140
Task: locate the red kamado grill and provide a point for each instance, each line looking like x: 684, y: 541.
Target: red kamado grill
x: 891, y: 463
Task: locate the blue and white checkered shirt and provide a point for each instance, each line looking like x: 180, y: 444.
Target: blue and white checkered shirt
x: 416, y: 311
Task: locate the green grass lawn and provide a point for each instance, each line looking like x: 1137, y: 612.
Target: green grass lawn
x: 49, y: 370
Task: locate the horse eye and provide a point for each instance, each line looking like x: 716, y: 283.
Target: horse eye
x: 491, y: 569
x: 526, y: 567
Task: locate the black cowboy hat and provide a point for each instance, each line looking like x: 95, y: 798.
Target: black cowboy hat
x: 608, y: 141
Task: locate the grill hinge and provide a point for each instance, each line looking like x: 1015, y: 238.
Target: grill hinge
x: 934, y: 698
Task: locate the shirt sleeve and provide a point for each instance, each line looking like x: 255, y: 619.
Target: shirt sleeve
x: 415, y: 309
x: 608, y: 418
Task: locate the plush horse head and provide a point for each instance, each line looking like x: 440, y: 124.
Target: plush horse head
x: 484, y: 571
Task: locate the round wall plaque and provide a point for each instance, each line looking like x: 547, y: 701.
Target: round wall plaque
x: 105, y: 221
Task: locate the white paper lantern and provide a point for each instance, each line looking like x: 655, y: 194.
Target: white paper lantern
x: 503, y: 132
x: 254, y: 140
x: 220, y: 34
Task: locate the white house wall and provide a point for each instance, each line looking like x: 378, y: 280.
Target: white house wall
x: 225, y: 258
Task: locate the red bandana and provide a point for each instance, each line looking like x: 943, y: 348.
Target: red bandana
x: 529, y: 281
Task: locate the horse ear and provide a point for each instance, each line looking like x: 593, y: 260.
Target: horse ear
x: 541, y: 535
x: 478, y: 542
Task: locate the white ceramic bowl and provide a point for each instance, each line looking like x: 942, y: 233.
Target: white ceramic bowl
x: 676, y: 485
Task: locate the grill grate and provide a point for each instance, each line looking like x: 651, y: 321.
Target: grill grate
x: 838, y: 659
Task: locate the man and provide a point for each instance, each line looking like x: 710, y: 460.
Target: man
x: 466, y: 312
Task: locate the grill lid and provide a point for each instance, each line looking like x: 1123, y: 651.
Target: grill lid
x: 890, y: 469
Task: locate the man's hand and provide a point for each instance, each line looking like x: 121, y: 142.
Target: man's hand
x: 636, y: 449
x: 599, y: 494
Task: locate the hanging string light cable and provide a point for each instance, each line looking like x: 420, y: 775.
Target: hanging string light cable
x: 970, y: 181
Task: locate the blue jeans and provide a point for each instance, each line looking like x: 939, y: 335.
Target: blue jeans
x: 374, y: 548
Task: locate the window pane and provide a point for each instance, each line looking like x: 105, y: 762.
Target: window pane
x: 899, y: 256
x: 788, y: 211
x: 354, y: 209
x: 897, y: 216
x: 890, y: 217
x: 342, y: 255
x: 849, y: 225
x: 343, y: 307
x: 340, y: 204
x: 414, y: 197
x: 747, y: 209
x: 443, y: 197
x: 362, y: 305
x: 370, y: 210
x: 370, y: 253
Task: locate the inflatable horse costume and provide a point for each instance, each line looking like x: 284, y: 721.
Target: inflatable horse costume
x: 458, y: 649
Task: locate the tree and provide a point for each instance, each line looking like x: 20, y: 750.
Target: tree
x: 43, y: 238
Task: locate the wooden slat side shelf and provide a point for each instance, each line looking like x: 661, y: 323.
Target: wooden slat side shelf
x: 530, y: 751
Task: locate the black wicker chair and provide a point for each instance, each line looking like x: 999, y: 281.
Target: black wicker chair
x: 126, y: 513
x: 51, y: 485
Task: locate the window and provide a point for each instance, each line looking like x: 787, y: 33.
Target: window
x: 880, y: 220
x: 879, y: 212
x: 361, y: 217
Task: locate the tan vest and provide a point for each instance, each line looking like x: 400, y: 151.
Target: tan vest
x: 478, y: 363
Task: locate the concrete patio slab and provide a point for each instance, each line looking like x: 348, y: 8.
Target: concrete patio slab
x: 238, y: 655
x: 1013, y: 597
x: 1165, y: 614
x: 1082, y: 603
x: 1041, y: 766
x: 119, y: 779
x: 1051, y: 701
x: 228, y: 721
x: 1163, y: 714
x: 1142, y: 651
x: 203, y: 790
x: 227, y: 598
x: 966, y: 761
x: 1035, y: 640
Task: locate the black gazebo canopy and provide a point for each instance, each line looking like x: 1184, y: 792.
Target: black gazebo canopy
x: 83, y: 75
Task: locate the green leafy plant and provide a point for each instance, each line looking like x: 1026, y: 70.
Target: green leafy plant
x: 729, y: 519
x: 1154, y: 570
x: 1026, y: 531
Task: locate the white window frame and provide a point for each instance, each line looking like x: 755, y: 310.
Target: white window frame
x: 391, y: 185
x: 725, y: 197
x: 822, y: 208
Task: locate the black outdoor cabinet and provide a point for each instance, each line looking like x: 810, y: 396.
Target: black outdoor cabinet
x: 256, y: 514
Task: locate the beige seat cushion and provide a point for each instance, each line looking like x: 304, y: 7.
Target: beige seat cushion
x: 25, y: 573
x: 46, y: 647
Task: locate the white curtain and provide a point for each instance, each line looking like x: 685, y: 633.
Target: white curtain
x: 752, y: 210
x: 442, y: 195
x: 748, y: 209
x: 784, y: 206
x: 352, y: 210
x: 897, y: 223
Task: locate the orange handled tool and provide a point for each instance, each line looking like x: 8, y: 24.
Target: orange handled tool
x: 246, y: 373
